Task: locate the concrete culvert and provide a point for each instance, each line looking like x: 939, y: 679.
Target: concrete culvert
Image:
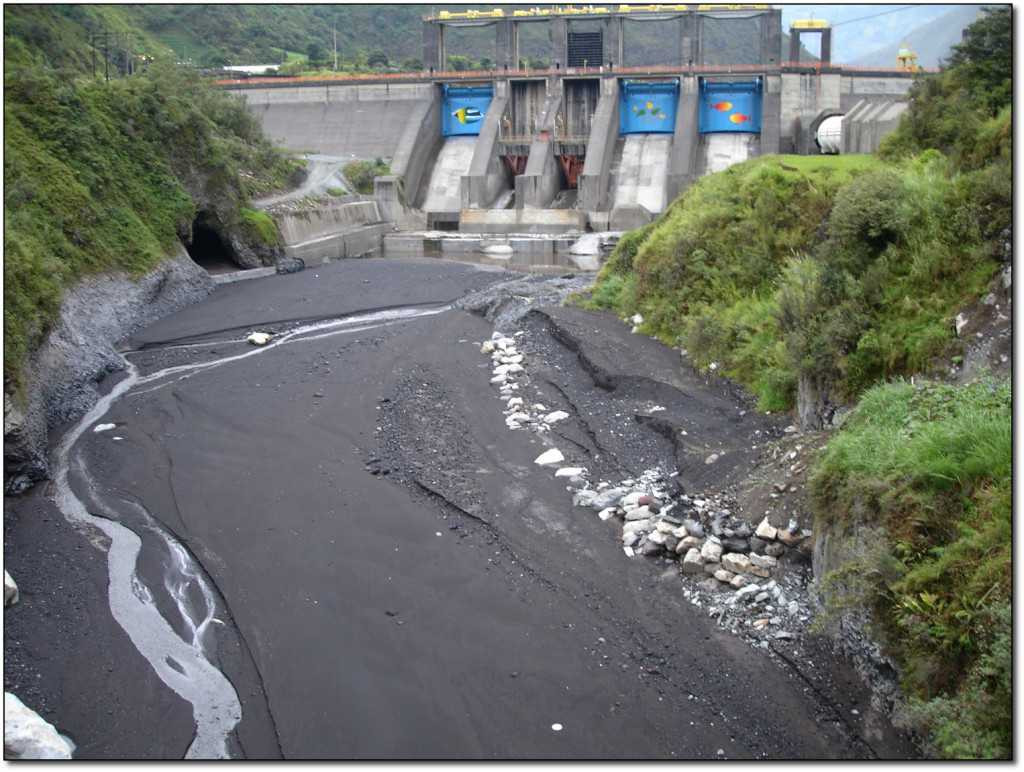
x: 209, y: 248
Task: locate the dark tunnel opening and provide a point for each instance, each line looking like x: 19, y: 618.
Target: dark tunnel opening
x: 208, y: 248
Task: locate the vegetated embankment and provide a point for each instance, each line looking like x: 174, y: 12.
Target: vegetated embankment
x: 820, y: 281
x: 105, y: 187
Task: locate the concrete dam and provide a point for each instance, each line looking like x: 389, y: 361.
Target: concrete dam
x: 591, y: 143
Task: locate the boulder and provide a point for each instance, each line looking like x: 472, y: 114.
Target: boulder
x: 691, y: 542
x: 607, y: 513
x: 757, y: 545
x: 738, y: 581
x: 775, y: 549
x: 711, y: 552
x: 583, y: 498
x: 259, y: 338
x: 638, y: 513
x: 609, y: 497
x: 735, y: 562
x: 28, y: 736
x: 290, y: 265
x: 791, y: 539
x: 486, y: 347
x: 694, y: 528
x: 651, y: 548
x: 10, y: 591
x: 761, y: 565
x: 736, y: 545
x: 692, y: 563
x: 555, y: 417
x: 568, y: 471
x: 766, y: 530
x: 724, y: 576
x: 552, y: 456
x: 636, y: 526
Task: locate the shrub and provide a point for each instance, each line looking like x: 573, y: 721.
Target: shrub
x: 360, y: 174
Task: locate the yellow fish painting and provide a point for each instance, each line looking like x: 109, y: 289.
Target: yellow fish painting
x: 739, y: 118
x: 466, y: 115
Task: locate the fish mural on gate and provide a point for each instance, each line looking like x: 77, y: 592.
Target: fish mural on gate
x: 722, y: 107
x: 739, y: 118
x: 650, y: 109
x: 466, y: 115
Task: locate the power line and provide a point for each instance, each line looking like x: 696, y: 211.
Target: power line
x: 874, y: 15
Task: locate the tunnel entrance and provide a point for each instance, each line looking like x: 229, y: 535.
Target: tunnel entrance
x: 208, y: 248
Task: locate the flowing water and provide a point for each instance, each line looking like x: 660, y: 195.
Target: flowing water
x: 182, y: 663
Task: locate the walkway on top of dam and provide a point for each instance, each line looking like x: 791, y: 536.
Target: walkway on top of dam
x: 426, y: 76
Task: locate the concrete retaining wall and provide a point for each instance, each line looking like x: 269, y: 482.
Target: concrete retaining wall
x: 351, y: 122
x: 348, y: 229
x: 868, y: 123
x: 521, y: 220
x: 604, y: 131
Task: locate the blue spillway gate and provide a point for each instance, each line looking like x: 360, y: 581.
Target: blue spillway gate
x: 734, y: 106
x: 648, y: 108
x: 464, y: 108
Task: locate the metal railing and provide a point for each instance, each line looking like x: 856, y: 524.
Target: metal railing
x: 492, y: 74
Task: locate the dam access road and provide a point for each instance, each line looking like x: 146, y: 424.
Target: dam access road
x: 341, y: 524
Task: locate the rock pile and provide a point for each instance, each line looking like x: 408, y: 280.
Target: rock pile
x: 738, y: 565
x: 508, y: 374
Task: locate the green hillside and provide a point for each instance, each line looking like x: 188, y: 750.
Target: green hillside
x: 109, y: 176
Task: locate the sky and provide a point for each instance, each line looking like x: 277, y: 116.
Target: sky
x: 855, y: 36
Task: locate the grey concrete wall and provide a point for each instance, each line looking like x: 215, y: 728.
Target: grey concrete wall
x: 542, y: 179
x: 357, y: 242
x: 487, y: 177
x: 802, y: 97
x: 868, y: 123
x: 604, y: 130
x: 297, y: 226
x: 521, y: 220
x: 418, y: 147
x: 350, y: 121
x: 683, y: 162
x: 771, y: 116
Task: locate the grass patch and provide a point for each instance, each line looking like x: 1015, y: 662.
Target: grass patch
x: 260, y: 226
x: 360, y: 174
x: 932, y: 466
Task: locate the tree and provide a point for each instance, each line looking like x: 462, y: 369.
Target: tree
x: 377, y: 59
x: 316, y: 52
x: 983, y: 61
x: 459, y: 63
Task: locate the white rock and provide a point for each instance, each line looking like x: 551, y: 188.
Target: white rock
x: 501, y: 369
x: 630, y: 538
x: 259, y: 338
x: 664, y: 526
x: 739, y: 581
x: 570, y: 471
x: 766, y: 530
x: 735, y: 562
x: 961, y: 322
x: 692, y: 563
x: 724, y: 576
x: 486, y: 347
x: 636, y: 526
x: 607, y: 513
x: 637, y: 319
x: 711, y: 552
x: 498, y: 250
x: 519, y: 416
x: 515, y: 402
x: 515, y: 359
x: 515, y: 368
x: 104, y: 427
x: 499, y: 378
x: 555, y: 417
x: 638, y: 513
x: 712, y: 458
x: 28, y: 736
x: 497, y: 335
x: 657, y: 537
x: 552, y: 456
x: 10, y: 590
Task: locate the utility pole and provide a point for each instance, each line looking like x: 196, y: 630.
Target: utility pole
x: 106, y: 55
x: 335, y: 30
x: 92, y: 44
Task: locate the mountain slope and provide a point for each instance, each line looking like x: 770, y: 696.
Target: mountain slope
x: 932, y: 42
